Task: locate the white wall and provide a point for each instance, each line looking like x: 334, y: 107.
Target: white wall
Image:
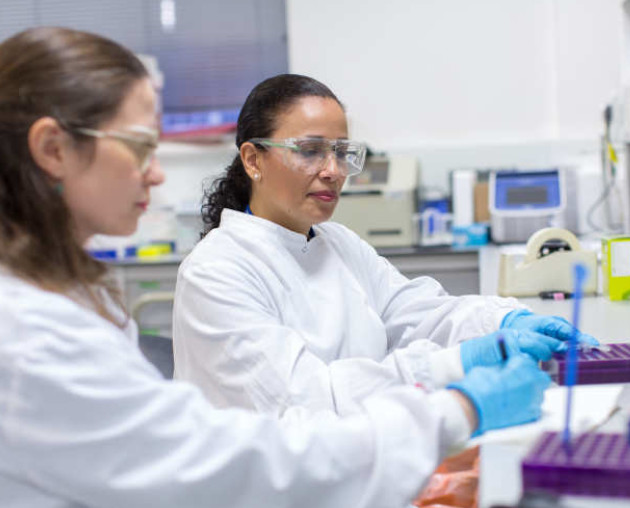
x: 462, y: 82
x: 458, y: 83
x: 187, y: 167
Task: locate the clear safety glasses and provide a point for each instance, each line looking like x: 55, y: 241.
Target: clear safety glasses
x: 310, y: 155
x: 142, y: 141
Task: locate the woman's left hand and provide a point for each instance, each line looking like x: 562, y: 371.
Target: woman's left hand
x: 553, y: 326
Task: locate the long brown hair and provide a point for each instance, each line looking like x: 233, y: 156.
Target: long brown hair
x: 80, y: 79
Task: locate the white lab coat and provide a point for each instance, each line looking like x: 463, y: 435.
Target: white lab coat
x: 265, y: 319
x: 85, y: 420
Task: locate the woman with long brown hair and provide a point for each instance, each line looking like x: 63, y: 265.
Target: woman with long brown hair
x: 85, y: 420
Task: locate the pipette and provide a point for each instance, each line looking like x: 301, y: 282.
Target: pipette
x: 580, y: 273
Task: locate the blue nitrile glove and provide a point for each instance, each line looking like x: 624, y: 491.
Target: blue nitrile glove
x: 552, y: 326
x: 485, y: 351
x: 505, y: 395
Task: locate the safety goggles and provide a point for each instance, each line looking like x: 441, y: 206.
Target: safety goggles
x: 310, y: 155
x: 142, y: 141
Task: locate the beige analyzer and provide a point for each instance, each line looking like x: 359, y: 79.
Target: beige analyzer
x: 380, y: 202
x: 547, y: 266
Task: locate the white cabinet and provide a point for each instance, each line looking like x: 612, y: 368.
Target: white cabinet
x: 456, y: 270
x: 141, y: 280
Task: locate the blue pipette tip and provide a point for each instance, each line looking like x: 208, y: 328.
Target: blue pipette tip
x: 580, y: 273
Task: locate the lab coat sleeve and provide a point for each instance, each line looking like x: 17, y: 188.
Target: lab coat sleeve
x: 86, y: 419
x: 245, y: 356
x: 420, y: 308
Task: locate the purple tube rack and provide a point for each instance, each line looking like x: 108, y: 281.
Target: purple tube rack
x: 594, y: 366
x: 596, y: 465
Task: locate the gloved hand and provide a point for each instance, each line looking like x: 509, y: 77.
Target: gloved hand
x: 505, y: 395
x: 552, y: 326
x: 485, y: 351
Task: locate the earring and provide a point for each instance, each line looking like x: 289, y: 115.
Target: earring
x: 256, y: 176
x: 58, y: 188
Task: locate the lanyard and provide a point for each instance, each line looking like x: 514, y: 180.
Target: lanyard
x: 311, y: 231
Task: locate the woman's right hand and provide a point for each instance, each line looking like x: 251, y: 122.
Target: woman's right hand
x: 504, y: 395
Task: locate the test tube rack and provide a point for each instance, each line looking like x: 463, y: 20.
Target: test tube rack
x: 594, y: 366
x: 594, y: 464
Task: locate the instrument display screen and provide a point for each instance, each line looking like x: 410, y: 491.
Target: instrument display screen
x: 518, y: 190
x: 527, y: 195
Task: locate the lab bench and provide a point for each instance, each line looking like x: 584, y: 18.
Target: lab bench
x: 456, y: 269
x: 503, y: 450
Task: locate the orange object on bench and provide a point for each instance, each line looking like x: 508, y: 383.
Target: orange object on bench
x: 454, y: 484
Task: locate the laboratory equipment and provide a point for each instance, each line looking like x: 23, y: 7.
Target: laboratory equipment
x: 434, y: 221
x: 615, y: 174
x: 463, y: 185
x: 156, y: 234
x: 473, y: 235
x: 466, y: 200
x: 616, y: 267
x: 555, y: 295
x: 609, y: 199
x: 107, y: 247
x: 435, y: 227
x: 597, y: 464
x: 595, y: 365
x: 550, y: 254
x: 147, y: 289
x: 522, y: 202
x: 379, y: 203
x: 580, y: 273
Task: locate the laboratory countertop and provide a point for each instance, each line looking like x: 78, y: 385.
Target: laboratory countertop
x: 425, y: 250
x: 415, y: 250
x: 169, y: 259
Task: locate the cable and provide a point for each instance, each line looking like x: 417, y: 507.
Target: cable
x: 609, y: 173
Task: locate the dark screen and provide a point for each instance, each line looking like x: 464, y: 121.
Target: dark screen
x: 532, y: 195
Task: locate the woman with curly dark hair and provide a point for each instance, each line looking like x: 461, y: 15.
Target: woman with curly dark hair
x: 277, y: 307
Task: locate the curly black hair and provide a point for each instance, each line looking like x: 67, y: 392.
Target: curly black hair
x: 257, y: 119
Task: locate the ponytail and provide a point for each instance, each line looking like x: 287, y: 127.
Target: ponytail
x: 232, y: 190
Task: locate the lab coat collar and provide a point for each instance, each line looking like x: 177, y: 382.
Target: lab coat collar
x: 264, y: 228
x: 311, y: 231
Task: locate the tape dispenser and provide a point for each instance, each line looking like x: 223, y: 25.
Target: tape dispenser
x: 547, y: 266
